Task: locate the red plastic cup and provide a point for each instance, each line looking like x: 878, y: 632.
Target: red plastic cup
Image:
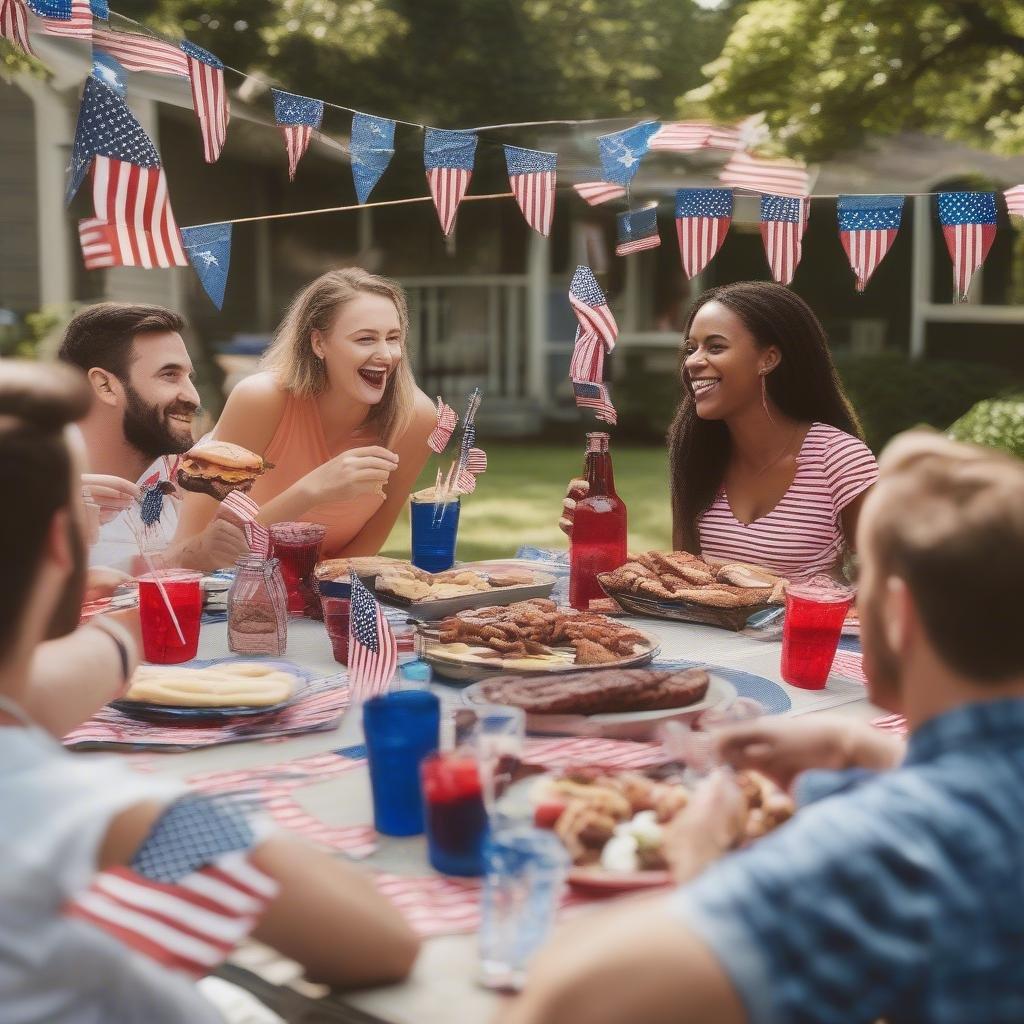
x: 811, y: 631
x: 161, y: 644
x: 337, y: 612
x: 297, y: 547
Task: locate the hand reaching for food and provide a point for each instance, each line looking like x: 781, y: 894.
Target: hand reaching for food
x: 351, y: 474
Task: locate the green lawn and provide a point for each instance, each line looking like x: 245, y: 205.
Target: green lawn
x: 519, y: 498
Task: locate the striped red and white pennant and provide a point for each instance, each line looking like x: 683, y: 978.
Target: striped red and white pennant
x: 138, y: 52
x: 14, y: 23
x: 597, y: 192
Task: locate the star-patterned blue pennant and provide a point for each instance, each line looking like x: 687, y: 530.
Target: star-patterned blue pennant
x: 621, y: 152
x: 109, y: 71
x: 60, y: 9
x: 106, y: 127
x: 372, y: 147
x: 209, y: 252
x: 100, y: 9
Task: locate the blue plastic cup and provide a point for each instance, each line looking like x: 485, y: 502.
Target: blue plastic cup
x: 435, y: 530
x: 400, y: 729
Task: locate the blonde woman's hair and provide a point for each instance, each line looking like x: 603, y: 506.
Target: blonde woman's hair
x: 296, y: 366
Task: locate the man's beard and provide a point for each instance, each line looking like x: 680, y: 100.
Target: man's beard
x: 146, y: 427
x: 68, y: 611
x: 881, y: 662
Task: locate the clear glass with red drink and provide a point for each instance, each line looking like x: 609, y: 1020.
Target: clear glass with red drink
x: 161, y: 644
x: 810, y: 633
x: 337, y: 615
x: 454, y: 813
x: 297, y: 548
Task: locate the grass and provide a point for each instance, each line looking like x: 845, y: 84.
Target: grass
x: 519, y: 499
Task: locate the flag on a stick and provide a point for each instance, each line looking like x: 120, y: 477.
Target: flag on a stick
x: 447, y: 418
x: 637, y: 231
x: 138, y: 52
x: 531, y: 173
x: 371, y: 147
x: 868, y: 226
x: 783, y: 222
x: 373, y: 650
x: 772, y: 177
x: 448, y: 158
x: 591, y: 307
x: 14, y: 24
x: 969, y: 227
x: 298, y: 117
x: 597, y: 192
x: 595, y: 397
x: 703, y: 216
x: 209, y: 98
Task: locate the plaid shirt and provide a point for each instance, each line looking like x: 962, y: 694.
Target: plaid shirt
x: 898, y: 895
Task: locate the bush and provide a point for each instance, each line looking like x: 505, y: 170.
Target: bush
x: 996, y: 422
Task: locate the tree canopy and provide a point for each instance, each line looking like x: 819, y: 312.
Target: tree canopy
x: 829, y: 72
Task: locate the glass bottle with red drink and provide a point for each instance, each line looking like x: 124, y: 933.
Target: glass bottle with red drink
x: 598, y: 541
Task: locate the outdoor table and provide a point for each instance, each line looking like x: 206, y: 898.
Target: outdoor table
x: 442, y: 989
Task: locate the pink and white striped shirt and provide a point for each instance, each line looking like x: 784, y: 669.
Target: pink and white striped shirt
x: 803, y: 534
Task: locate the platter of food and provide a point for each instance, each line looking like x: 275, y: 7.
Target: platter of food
x: 612, y: 823
x: 177, y: 693
x: 683, y: 587
x: 529, y: 637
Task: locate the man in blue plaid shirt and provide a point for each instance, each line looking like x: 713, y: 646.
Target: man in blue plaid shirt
x: 897, y: 890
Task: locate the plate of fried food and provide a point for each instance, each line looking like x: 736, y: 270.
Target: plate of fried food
x: 228, y: 689
x: 612, y: 823
x: 528, y: 637
x: 681, y: 586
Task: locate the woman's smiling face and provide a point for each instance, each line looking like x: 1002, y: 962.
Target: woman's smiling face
x: 362, y: 348
x: 723, y: 363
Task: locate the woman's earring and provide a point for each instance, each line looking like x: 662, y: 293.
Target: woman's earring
x: 764, y: 396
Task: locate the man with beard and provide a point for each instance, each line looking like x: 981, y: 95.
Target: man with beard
x: 75, y: 952
x: 140, y: 420
x: 896, y: 890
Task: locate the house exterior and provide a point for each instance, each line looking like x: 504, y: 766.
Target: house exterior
x: 488, y: 305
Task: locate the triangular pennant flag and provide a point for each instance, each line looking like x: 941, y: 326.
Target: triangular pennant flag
x: 867, y: 228
x: 209, y: 98
x: 298, y: 117
x: 139, y: 52
x: 531, y: 173
x: 637, y: 231
x: 597, y: 192
x: 372, y: 146
x: 71, y: 19
x: 621, y: 152
x: 448, y: 159
x: 772, y: 177
x: 106, y: 127
x: 108, y: 70
x: 680, y: 137
x: 14, y: 24
x: 969, y: 226
x: 209, y: 251
x: 703, y: 216
x: 1015, y: 200
x: 783, y: 223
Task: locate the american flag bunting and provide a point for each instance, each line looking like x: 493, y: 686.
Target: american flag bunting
x: 371, y: 147
x: 14, y: 24
x: 703, y: 216
x: 1015, y: 200
x: 133, y: 225
x: 591, y: 307
x: 448, y: 158
x: 531, y: 174
x: 191, y: 894
x: 597, y: 192
x: 868, y: 226
x: 783, y: 223
x: 680, y: 137
x: 969, y: 226
x: 373, y: 650
x: 209, y: 251
x: 621, y: 152
x: 298, y: 117
x: 109, y: 71
x: 71, y: 19
x: 447, y: 418
x: 595, y: 397
x: 772, y: 177
x: 138, y: 52
x: 209, y: 98
x: 637, y: 231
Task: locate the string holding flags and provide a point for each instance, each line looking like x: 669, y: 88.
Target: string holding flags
x: 783, y: 223
x: 531, y: 174
x: 868, y: 226
x: 209, y: 98
x: 448, y: 158
x: 209, y: 252
x: 14, y: 24
x: 298, y: 117
x: 703, y: 216
x: 969, y: 227
x: 637, y: 231
x: 621, y: 152
x: 372, y: 146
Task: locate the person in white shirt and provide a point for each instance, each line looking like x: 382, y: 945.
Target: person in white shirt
x: 139, y: 422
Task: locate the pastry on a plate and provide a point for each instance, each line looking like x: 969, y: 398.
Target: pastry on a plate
x: 231, y: 684
x: 510, y: 578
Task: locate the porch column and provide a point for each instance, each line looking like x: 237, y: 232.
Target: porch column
x: 538, y: 280
x: 920, y: 275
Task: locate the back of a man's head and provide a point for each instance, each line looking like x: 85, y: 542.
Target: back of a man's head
x: 948, y: 519
x: 37, y: 401
x: 102, y: 335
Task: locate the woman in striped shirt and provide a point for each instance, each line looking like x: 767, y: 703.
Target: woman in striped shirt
x: 767, y: 459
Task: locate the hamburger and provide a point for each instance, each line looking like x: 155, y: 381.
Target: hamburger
x: 217, y: 468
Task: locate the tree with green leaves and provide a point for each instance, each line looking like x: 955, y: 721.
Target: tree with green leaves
x: 827, y: 73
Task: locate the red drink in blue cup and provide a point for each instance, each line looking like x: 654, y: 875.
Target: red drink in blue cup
x: 815, y: 613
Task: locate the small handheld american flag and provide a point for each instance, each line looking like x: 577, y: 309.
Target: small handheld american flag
x: 298, y: 117
x: 867, y: 228
x: 591, y: 307
x: 373, y: 649
x: 595, y: 397
x: 447, y: 418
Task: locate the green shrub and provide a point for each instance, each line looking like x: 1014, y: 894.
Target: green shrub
x: 996, y: 422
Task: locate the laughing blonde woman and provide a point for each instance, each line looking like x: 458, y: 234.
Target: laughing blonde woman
x: 337, y: 412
